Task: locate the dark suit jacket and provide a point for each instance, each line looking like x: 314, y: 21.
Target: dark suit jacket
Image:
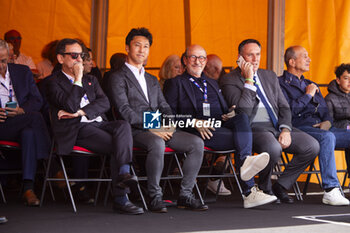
x: 27, y: 93
x: 232, y: 85
x: 179, y: 93
x: 63, y: 95
x: 306, y: 110
x: 129, y: 100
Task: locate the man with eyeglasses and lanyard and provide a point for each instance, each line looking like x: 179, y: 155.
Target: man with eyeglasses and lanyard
x: 20, y: 119
x: 77, y: 107
x: 199, y: 97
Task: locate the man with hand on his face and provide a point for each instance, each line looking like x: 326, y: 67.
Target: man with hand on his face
x: 134, y: 92
x: 310, y: 114
x: 20, y: 119
x: 257, y: 93
x: 77, y: 107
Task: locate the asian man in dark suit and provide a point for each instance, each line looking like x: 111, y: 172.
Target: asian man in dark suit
x: 77, y: 107
x: 132, y: 92
x: 22, y: 122
x: 257, y: 93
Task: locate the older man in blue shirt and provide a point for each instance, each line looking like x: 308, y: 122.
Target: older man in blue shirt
x: 310, y: 114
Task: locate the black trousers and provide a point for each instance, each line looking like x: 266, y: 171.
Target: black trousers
x: 110, y: 138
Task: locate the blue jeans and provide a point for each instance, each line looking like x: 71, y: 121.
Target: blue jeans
x: 329, y: 140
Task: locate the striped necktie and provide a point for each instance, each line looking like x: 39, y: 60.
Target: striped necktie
x: 267, y: 106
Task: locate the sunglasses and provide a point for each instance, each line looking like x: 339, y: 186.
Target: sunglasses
x: 75, y: 55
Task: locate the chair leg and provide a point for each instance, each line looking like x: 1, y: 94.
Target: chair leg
x: 68, y: 186
x: 213, y: 158
x: 2, y: 193
x: 236, y: 178
x: 100, y: 177
x: 46, y: 177
x: 139, y: 188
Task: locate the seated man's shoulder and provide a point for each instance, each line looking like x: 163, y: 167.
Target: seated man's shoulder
x: 18, y: 67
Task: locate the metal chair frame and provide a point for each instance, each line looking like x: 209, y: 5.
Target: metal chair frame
x: 228, y: 161
x: 80, y: 151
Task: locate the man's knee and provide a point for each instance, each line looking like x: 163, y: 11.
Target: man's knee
x: 156, y: 147
x: 122, y: 126
x: 328, y: 138
x: 275, y: 151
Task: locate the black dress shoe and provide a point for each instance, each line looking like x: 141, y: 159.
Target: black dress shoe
x: 82, y: 195
x: 281, y: 194
x: 157, y: 205
x: 128, y: 208
x: 126, y: 180
x: 189, y: 202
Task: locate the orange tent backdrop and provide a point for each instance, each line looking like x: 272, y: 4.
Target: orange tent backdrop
x: 218, y: 25
x: 40, y: 22
x: 323, y: 28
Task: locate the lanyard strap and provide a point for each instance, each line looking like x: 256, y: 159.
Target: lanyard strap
x: 205, y: 92
x: 10, y: 90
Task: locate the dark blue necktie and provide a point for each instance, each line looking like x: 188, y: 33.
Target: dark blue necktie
x: 267, y: 106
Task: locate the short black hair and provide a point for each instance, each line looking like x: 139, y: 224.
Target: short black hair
x: 138, y: 32
x: 247, y: 41
x: 61, y: 46
x: 339, y: 70
x: 289, y: 54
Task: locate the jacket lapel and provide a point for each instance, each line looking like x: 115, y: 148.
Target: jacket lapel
x: 187, y: 85
x: 134, y: 81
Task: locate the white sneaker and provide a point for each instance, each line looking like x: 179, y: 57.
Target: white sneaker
x: 213, y: 185
x: 334, y: 197
x: 257, y: 197
x: 253, y: 165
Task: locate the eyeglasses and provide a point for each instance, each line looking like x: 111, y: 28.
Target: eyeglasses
x: 193, y: 58
x: 75, y: 55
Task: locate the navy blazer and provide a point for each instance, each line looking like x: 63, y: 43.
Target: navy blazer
x: 26, y: 91
x: 63, y: 95
x: 306, y: 110
x: 179, y: 93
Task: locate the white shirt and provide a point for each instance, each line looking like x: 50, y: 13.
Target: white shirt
x: 261, y: 114
x: 5, y: 87
x: 140, y: 77
x: 25, y: 60
x: 84, y: 101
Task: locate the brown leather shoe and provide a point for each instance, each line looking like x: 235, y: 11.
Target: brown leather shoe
x: 60, y: 184
x: 30, y: 198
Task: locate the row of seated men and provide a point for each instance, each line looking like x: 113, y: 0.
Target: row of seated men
x: 251, y: 113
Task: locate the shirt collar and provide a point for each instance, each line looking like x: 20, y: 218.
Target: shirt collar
x: 134, y: 69
x: 70, y: 78
x: 7, y: 75
x: 289, y: 77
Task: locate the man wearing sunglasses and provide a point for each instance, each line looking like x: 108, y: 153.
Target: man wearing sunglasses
x: 77, y: 107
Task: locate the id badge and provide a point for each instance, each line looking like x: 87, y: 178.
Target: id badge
x: 206, y: 109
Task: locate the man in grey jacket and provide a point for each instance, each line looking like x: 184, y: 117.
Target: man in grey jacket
x: 257, y: 93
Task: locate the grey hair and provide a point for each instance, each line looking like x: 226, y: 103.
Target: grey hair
x: 3, y: 44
